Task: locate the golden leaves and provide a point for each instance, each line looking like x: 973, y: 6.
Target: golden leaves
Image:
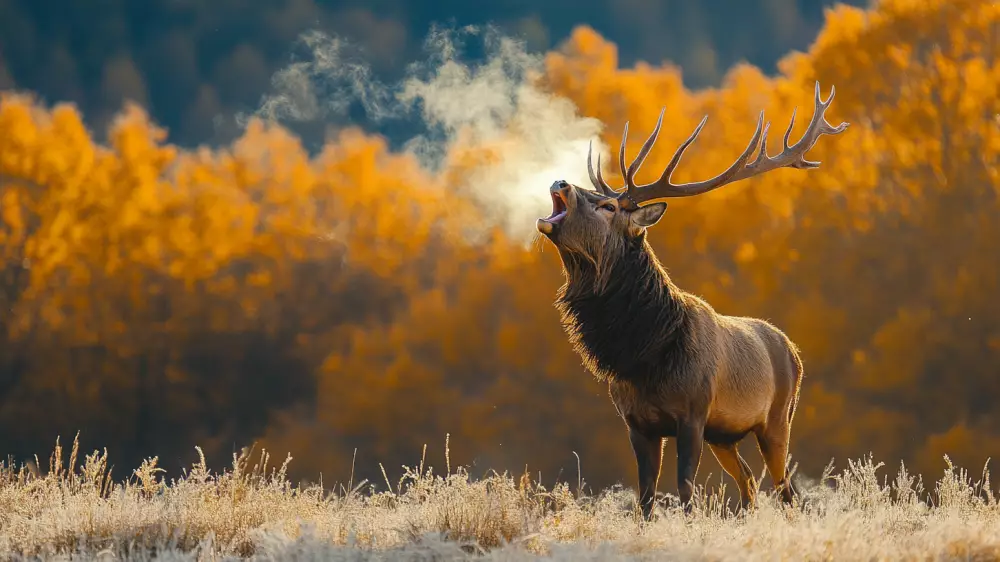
x: 364, y: 261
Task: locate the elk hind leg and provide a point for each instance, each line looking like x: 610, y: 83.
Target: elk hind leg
x: 773, y: 443
x: 774, y: 436
x: 731, y: 461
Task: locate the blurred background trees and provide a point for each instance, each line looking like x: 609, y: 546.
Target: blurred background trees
x: 157, y: 297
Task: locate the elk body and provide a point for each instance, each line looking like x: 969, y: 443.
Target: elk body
x: 674, y: 366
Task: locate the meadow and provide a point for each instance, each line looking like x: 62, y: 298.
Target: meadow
x: 864, y: 511
x: 316, y: 297
x: 266, y: 289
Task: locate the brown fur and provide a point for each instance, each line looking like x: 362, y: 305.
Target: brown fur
x: 674, y: 366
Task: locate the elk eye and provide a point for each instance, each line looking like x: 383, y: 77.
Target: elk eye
x: 607, y: 207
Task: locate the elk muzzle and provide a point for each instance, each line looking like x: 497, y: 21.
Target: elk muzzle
x: 560, y: 193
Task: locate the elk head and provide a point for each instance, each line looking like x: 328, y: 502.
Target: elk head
x: 594, y: 224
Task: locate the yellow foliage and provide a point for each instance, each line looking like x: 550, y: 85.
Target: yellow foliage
x: 232, y: 283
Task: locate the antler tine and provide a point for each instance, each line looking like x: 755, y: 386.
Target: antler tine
x: 628, y: 196
x: 621, y: 155
x: 644, y: 151
x: 676, y: 158
x: 663, y: 187
x: 600, y: 185
x: 790, y: 157
x: 610, y: 191
x: 794, y: 156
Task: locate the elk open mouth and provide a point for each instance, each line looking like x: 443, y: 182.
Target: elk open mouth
x: 559, y: 209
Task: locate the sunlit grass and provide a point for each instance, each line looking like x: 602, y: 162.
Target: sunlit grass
x: 253, y: 510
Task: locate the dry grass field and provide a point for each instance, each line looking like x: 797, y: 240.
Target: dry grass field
x: 863, y: 512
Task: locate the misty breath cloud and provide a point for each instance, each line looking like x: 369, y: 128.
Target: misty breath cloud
x: 536, y: 137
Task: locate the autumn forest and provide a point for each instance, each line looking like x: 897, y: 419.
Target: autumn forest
x: 349, y: 305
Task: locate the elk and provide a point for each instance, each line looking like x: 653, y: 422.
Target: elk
x: 674, y: 366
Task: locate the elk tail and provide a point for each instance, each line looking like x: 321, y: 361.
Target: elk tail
x: 799, y: 373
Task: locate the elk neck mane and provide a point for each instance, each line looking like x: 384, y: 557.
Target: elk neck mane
x: 629, y: 323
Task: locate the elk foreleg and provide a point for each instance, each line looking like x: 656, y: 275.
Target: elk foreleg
x: 690, y: 442
x: 734, y: 464
x: 648, y: 456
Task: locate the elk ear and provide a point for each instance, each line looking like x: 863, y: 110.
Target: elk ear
x: 649, y: 215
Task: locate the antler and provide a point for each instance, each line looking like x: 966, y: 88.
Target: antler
x: 790, y: 157
x: 598, y: 180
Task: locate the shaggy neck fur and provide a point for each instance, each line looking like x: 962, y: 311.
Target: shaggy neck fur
x: 629, y: 326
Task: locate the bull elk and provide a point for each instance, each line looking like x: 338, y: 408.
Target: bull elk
x: 674, y: 366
